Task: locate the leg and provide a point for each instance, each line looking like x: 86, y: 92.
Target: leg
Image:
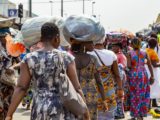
x: 105, y: 115
x: 140, y: 118
x: 154, y: 103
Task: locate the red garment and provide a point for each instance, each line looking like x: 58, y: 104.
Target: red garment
x: 122, y: 59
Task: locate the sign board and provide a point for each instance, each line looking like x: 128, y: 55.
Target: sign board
x: 12, y: 12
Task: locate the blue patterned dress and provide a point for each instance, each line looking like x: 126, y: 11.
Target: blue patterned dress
x: 139, y: 85
x: 45, y: 70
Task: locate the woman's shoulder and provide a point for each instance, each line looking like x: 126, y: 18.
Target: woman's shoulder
x: 31, y: 54
x: 92, y: 57
x: 108, y: 52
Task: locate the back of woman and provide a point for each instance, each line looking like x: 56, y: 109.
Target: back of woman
x: 139, y: 84
x: 138, y: 61
x: 45, y: 70
x: 86, y: 74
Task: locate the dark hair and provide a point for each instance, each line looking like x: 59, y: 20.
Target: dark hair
x: 152, y: 42
x: 136, y: 43
x: 49, y: 31
x: 117, y: 44
x: 153, y: 35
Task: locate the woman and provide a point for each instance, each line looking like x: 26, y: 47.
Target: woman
x: 155, y: 65
x: 109, y: 69
x: 138, y: 81
x: 6, y: 62
x: 43, y: 67
x: 29, y: 95
x: 121, y: 58
x: 88, y: 74
x: 122, y: 64
x: 86, y: 65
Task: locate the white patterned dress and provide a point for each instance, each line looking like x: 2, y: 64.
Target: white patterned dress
x: 45, y: 70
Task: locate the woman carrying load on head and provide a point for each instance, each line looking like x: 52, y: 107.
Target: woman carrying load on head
x: 82, y: 32
x: 122, y: 64
x: 43, y: 67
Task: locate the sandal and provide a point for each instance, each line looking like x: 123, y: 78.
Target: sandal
x: 157, y: 111
x: 154, y: 114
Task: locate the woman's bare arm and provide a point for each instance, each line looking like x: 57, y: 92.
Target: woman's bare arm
x: 150, y: 66
x: 100, y: 85
x: 128, y: 60
x: 21, y: 89
x: 116, y: 74
x: 72, y: 74
x: 155, y: 63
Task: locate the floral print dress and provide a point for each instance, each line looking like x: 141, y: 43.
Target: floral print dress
x: 139, y: 85
x: 6, y: 91
x: 88, y: 84
x: 45, y: 70
x: 119, y: 112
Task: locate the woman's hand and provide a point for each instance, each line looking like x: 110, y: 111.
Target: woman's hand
x: 9, y: 71
x: 1, y: 110
x: 151, y: 80
x: 8, y: 118
x: 87, y: 116
x: 105, y: 104
x: 120, y: 93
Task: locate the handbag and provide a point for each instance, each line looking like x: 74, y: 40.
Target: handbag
x: 8, y: 79
x: 69, y: 96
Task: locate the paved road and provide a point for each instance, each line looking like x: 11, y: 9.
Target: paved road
x: 22, y: 114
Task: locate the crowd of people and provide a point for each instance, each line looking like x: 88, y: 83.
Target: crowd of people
x: 109, y: 81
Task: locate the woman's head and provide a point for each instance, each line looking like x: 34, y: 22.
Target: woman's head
x: 78, y: 46
x: 136, y: 43
x: 152, y: 42
x: 153, y: 35
x: 116, y: 47
x: 50, y: 33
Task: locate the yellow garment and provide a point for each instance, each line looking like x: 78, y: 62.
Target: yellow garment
x: 152, y: 54
x: 154, y: 114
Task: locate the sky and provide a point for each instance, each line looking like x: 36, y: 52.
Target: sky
x: 132, y: 15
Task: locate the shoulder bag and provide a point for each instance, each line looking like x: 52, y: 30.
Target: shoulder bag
x: 70, y: 98
x: 8, y: 79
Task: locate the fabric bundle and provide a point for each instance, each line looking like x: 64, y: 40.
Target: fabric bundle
x: 31, y: 30
x: 83, y: 29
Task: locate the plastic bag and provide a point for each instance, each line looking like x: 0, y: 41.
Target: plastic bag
x: 31, y: 29
x: 83, y: 28
x: 14, y: 49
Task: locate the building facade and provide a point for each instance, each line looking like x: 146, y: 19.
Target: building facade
x: 5, y: 5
